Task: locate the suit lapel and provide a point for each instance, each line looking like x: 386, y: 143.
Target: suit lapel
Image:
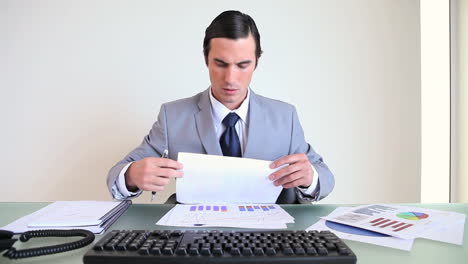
x: 255, y: 131
x: 204, y: 122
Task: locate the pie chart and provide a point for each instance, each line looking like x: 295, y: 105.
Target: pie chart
x: 412, y: 215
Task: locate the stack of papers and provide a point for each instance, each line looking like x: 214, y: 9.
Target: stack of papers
x: 220, y: 179
x: 392, y: 225
x: 258, y: 216
x: 95, y: 216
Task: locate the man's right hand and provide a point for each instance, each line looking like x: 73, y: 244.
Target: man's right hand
x: 152, y: 174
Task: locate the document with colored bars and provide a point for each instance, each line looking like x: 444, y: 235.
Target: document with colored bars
x: 258, y: 216
x: 394, y: 220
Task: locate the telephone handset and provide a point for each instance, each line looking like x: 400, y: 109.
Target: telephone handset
x: 7, y: 241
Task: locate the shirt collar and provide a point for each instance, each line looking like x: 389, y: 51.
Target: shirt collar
x: 220, y: 111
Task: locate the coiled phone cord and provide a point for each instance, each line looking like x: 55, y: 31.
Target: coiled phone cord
x: 12, y: 253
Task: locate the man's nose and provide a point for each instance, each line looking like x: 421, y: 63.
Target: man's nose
x: 230, y: 75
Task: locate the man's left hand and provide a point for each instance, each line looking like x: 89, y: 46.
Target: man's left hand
x: 298, y: 173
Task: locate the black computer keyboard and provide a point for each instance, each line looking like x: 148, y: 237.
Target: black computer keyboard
x: 216, y: 246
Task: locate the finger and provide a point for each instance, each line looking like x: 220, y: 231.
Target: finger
x: 287, y: 160
x: 293, y: 184
x: 151, y: 182
x: 289, y: 178
x: 153, y: 188
x: 284, y: 171
x: 160, y: 181
x: 168, y: 173
x: 166, y: 163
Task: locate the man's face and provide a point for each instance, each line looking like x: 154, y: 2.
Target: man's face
x: 231, y: 63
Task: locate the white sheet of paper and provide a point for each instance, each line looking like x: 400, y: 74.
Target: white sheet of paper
x: 452, y: 233
x: 258, y: 216
x: 219, y: 179
x: 74, y: 213
x: 21, y: 225
x: 399, y: 221
x: 356, y: 234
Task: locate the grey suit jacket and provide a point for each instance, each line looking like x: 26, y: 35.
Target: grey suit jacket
x: 274, y: 131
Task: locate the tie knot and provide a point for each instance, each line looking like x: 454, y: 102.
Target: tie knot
x: 231, y: 119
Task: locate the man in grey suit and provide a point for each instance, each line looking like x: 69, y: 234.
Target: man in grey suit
x: 226, y: 119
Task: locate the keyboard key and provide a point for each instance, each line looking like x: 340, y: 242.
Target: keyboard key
x: 109, y: 246
x: 322, y: 251
x: 235, y: 252
x: 181, y: 251
x: 299, y: 251
x: 343, y: 251
x: 143, y: 251
x: 98, y: 247
x: 228, y: 247
x: 247, y: 252
x: 288, y: 251
x: 258, y: 251
x: 205, y: 251
x: 167, y: 251
x: 155, y: 251
x: 330, y: 246
x: 311, y: 251
x: 133, y: 246
x: 270, y: 251
x: 193, y: 251
x: 121, y: 247
x: 217, y: 251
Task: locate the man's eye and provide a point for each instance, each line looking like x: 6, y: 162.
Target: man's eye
x: 243, y: 65
x: 222, y: 65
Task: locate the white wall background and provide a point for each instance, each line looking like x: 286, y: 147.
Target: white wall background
x: 81, y: 83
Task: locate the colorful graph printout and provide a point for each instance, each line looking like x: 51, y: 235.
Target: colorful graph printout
x: 399, y: 221
x: 215, y: 208
x: 412, y: 215
x: 249, y: 208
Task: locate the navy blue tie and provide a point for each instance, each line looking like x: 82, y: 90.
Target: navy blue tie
x: 229, y: 140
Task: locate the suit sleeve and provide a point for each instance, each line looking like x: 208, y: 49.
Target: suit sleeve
x: 152, y: 146
x: 326, y: 180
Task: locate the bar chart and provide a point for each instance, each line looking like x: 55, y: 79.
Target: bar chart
x: 395, y: 225
x: 213, y: 208
x: 252, y: 208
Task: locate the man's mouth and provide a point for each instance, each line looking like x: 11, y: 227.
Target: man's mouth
x: 229, y: 90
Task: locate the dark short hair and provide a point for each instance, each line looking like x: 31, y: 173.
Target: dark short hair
x: 233, y: 25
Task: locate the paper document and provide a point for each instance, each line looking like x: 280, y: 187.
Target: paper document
x: 258, y: 216
x: 74, y: 213
x: 395, y: 220
x: 450, y: 231
x: 219, y: 179
x: 361, y: 235
x: 95, y: 216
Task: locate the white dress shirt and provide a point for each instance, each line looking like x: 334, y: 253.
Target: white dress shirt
x: 219, y: 112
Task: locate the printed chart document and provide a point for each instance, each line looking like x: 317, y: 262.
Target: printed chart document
x: 219, y: 179
x: 95, y: 216
x: 398, y: 221
x: 450, y: 231
x: 359, y: 234
x: 258, y: 216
